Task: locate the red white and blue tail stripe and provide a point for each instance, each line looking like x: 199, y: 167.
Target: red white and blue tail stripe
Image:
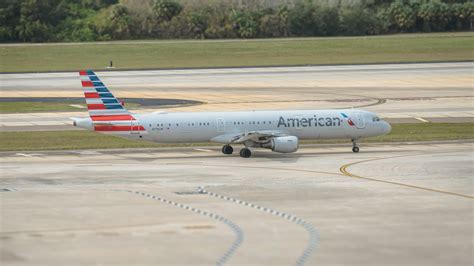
x: 107, y: 113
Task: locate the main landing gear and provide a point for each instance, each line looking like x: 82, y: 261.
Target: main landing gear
x: 227, y: 149
x: 355, y: 147
x: 245, y: 153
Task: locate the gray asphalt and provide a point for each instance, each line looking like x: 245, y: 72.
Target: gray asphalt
x: 69, y: 81
x: 390, y: 204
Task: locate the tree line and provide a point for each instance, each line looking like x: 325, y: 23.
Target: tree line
x: 99, y: 20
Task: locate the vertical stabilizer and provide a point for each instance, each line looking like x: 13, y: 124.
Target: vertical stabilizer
x: 106, y: 112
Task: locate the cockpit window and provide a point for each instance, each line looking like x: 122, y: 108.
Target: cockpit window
x: 375, y: 119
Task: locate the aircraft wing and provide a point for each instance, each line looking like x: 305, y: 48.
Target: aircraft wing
x: 255, y: 136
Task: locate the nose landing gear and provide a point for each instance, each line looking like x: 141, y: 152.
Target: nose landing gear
x: 355, y: 147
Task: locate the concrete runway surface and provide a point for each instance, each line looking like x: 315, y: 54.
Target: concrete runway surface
x: 391, y: 204
x: 438, y: 92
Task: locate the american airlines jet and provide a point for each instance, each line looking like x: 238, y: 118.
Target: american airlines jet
x: 279, y: 131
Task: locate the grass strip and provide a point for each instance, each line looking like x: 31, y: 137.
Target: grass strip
x: 71, y: 140
x: 25, y: 107
x: 233, y: 53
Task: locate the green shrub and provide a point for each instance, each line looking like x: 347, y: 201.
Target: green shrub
x: 402, y: 15
x: 89, y: 20
x: 358, y: 21
x: 435, y: 16
x: 244, y: 23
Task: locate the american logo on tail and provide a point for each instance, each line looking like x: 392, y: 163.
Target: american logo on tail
x: 107, y: 113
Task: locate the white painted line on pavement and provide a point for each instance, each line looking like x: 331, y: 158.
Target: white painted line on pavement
x: 78, y: 106
x: 205, y: 150
x: 48, y: 123
x: 28, y: 155
x: 421, y: 119
x: 16, y: 124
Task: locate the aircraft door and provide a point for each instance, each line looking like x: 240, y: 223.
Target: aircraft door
x: 220, y: 122
x: 360, y: 123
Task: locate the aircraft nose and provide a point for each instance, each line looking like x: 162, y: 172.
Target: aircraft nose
x: 387, y: 128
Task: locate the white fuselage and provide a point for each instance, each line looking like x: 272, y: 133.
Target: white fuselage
x: 222, y: 126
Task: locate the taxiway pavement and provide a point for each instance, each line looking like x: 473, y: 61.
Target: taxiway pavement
x: 391, y: 204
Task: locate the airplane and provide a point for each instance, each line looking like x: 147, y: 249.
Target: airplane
x: 279, y: 131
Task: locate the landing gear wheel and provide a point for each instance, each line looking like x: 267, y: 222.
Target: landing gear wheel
x: 227, y: 149
x: 245, y: 153
x: 355, y: 147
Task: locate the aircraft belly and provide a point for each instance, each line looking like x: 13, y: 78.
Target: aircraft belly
x: 333, y: 133
x: 307, y: 133
x: 181, y: 137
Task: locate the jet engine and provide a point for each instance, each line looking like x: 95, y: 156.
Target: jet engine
x: 286, y: 144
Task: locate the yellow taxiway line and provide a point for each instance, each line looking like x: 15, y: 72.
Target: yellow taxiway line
x: 343, y: 170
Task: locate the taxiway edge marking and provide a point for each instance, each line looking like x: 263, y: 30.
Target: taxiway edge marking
x: 313, y: 233
x: 233, y: 226
x: 343, y: 170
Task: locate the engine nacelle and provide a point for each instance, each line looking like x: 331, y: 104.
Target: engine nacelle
x: 282, y: 144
